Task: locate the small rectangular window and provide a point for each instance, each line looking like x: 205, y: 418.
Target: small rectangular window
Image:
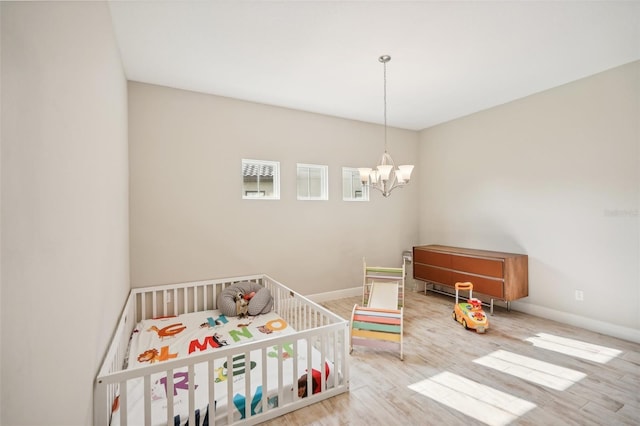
x: 312, y: 182
x: 352, y: 189
x: 260, y: 179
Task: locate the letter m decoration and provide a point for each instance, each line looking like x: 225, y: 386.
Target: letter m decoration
x: 208, y: 342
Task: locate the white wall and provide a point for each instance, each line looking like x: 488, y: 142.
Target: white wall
x: 65, y: 268
x: 188, y: 219
x: 556, y: 176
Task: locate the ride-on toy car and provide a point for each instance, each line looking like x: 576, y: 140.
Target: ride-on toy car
x: 470, y: 313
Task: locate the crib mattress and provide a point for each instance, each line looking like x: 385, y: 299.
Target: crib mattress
x: 162, y: 339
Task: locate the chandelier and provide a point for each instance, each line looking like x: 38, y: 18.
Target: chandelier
x: 385, y: 177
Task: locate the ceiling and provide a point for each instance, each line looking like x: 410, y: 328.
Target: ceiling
x: 449, y: 59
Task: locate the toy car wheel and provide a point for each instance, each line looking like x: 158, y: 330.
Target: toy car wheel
x: 464, y: 324
x: 453, y: 315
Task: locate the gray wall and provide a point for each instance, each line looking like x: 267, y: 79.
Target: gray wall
x: 556, y: 176
x: 65, y: 248
x: 188, y: 220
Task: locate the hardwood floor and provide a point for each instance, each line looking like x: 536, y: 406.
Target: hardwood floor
x: 524, y: 371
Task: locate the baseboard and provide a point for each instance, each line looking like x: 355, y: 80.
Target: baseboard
x: 625, y: 333
x: 333, y: 295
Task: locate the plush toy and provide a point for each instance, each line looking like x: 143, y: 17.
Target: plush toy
x: 242, y: 304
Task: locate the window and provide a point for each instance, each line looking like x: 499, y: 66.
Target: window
x: 260, y: 180
x: 312, y: 182
x: 352, y: 189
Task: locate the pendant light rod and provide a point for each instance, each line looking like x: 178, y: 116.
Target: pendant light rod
x: 384, y: 59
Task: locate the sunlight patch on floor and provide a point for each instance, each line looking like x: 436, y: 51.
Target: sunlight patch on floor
x: 532, y: 370
x: 480, y: 402
x: 576, y: 348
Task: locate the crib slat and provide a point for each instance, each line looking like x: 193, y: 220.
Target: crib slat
x: 154, y: 301
x: 248, y: 400
x: 323, y: 365
x: 212, y: 293
x: 204, y: 297
x: 174, y: 300
x: 340, y: 348
x: 170, y: 391
x: 265, y: 385
x: 304, y: 314
x: 300, y: 315
x: 192, y: 396
x: 185, y: 300
x: 280, y: 378
x: 309, y: 368
x: 212, y: 297
x: 147, y: 400
x: 210, y: 302
x: 143, y: 307
x: 212, y: 393
x: 295, y: 373
x: 124, y: 403
x: 205, y: 292
x: 229, y: 389
x: 314, y: 316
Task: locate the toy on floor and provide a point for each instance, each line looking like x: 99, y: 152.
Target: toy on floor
x: 470, y: 313
x: 378, y: 322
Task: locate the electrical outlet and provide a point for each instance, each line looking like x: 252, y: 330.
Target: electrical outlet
x: 579, y: 295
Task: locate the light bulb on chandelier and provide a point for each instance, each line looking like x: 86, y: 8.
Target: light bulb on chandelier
x: 385, y: 177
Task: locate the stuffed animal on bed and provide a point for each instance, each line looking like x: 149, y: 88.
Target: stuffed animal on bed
x: 242, y: 304
x: 260, y: 299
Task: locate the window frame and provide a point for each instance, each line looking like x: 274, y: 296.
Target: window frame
x: 324, y: 182
x: 261, y: 193
x: 354, y: 174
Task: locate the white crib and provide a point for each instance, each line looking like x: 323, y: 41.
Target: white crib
x: 316, y: 329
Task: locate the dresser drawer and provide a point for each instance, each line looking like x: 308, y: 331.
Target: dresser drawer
x: 480, y: 266
x: 483, y: 285
x: 432, y: 258
x: 430, y: 273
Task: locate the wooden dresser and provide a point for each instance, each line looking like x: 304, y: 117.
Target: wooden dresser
x: 500, y: 276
